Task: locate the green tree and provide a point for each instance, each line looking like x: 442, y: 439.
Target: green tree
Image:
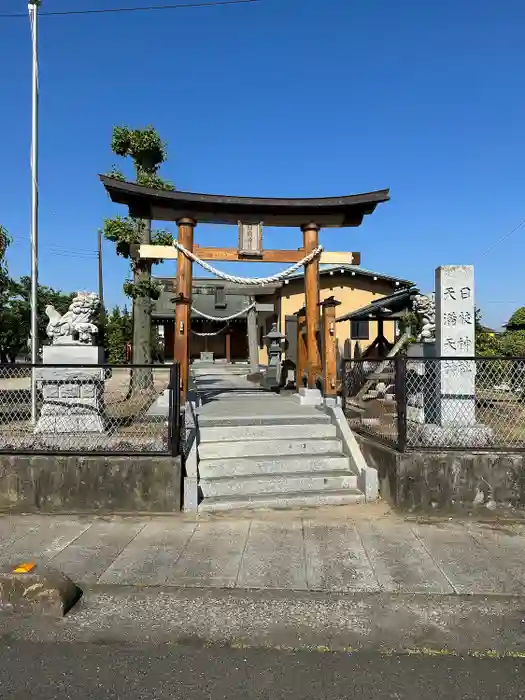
x: 118, y: 333
x: 512, y: 341
x: 513, y: 344
x: 147, y: 152
x: 487, y: 344
x: 5, y: 242
x: 5, y: 286
x: 517, y: 321
x: 15, y: 315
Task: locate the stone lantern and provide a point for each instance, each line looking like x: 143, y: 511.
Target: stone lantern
x: 275, y: 343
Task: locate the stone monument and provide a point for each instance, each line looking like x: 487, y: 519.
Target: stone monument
x: 73, y: 397
x: 455, y: 338
x: 442, y: 392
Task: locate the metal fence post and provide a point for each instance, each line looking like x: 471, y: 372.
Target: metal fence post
x: 344, y: 383
x: 401, y: 401
x: 174, y: 427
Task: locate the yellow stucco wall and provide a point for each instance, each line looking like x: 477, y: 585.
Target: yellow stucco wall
x: 353, y: 291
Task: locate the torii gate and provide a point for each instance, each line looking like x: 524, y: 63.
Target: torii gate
x: 250, y: 213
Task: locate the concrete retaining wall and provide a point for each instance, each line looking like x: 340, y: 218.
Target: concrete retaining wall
x: 90, y: 484
x: 458, y: 481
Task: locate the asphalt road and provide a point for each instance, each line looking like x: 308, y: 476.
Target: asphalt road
x: 145, y: 672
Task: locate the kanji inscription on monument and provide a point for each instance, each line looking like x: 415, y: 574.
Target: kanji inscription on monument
x: 250, y: 239
x: 455, y: 338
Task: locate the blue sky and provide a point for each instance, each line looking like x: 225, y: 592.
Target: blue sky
x: 281, y: 98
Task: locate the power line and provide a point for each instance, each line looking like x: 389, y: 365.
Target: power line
x: 504, y: 238
x: 73, y: 254
x: 148, y: 8
x: 58, y: 248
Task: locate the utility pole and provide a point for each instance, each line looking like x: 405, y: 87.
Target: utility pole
x: 33, y: 6
x: 101, y: 277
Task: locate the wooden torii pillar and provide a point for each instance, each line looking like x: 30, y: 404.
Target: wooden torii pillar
x: 181, y: 350
x: 302, y: 352
x: 311, y: 292
x: 329, y: 346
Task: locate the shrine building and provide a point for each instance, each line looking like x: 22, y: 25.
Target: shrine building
x: 356, y: 288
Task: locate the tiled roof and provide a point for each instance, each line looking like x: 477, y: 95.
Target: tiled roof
x: 358, y: 270
x: 396, y: 302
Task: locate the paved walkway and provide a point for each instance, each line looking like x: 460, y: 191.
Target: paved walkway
x: 346, y: 549
x: 225, y: 391
x: 220, y: 381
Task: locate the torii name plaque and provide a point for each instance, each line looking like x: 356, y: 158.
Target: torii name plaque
x: 250, y: 240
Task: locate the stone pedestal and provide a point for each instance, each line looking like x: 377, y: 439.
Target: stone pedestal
x: 271, y: 379
x: 73, y: 398
x: 206, y: 357
x: 421, y: 384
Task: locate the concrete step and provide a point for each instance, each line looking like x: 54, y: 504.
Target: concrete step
x: 218, y: 371
x: 238, y: 395
x: 276, y: 484
x: 282, y: 501
x: 255, y: 466
x: 265, y: 448
x: 226, y: 419
x: 266, y: 432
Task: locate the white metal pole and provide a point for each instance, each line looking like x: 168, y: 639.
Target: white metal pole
x: 33, y: 19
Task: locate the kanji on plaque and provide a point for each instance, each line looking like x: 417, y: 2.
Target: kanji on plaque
x: 455, y: 339
x: 250, y: 239
x: 455, y: 310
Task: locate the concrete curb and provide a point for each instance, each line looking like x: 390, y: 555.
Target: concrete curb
x: 367, y: 478
x: 389, y: 622
x: 41, y: 591
x: 190, y: 477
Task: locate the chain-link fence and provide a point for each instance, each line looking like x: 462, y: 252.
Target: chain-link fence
x: 369, y: 398
x: 457, y: 403
x: 438, y: 403
x: 89, y: 409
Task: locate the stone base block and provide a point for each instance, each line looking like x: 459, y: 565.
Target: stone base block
x: 63, y: 375
x: 309, y: 397
x: 72, y: 355
x: 71, y: 415
x: 65, y: 407
x: 70, y: 423
x: 269, y: 380
x: 332, y: 401
x: 43, y: 591
x: 73, y: 395
x: 471, y: 436
x: 206, y: 357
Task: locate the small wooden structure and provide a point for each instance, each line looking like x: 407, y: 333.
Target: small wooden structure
x: 329, y: 346
x: 249, y: 213
x: 390, y: 308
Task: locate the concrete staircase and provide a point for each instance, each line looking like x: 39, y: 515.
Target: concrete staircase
x: 261, y: 450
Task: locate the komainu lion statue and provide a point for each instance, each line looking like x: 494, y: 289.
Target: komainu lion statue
x: 76, y: 326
